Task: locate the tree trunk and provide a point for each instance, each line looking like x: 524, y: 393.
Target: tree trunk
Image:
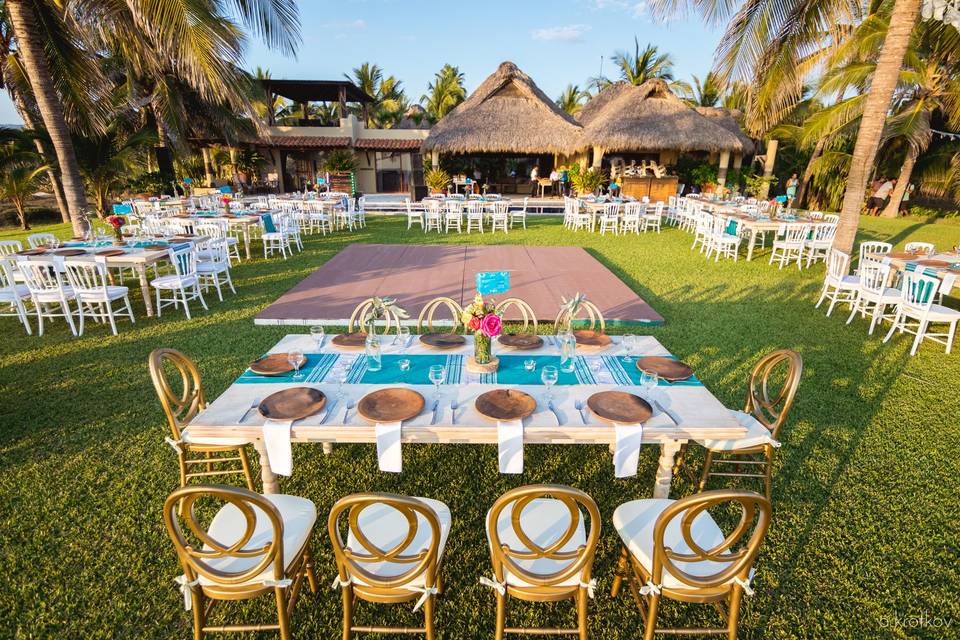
x: 769, y: 161
x: 45, y: 153
x: 875, y: 109
x: 893, y: 207
x: 24, y: 24
x: 207, y: 167
x: 162, y: 149
x: 808, y: 173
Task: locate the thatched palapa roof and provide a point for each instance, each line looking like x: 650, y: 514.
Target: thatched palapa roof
x: 507, y: 113
x: 729, y: 119
x: 649, y: 118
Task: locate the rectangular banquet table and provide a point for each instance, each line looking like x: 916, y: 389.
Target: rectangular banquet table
x: 756, y: 225
x: 698, y: 413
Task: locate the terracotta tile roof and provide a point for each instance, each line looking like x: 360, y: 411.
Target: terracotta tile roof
x: 306, y: 142
x: 388, y: 144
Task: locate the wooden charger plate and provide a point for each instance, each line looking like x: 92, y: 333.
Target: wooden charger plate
x: 903, y: 255
x: 292, y: 404
x: 938, y: 264
x: 108, y: 253
x: 155, y: 247
x: 619, y: 406
x: 36, y: 251
x: 505, y: 404
x: 394, y: 404
x: 273, y: 365
x: 587, y: 338
x: 666, y: 368
x: 355, y: 340
x: 521, y: 341
x: 443, y: 340
x: 69, y: 252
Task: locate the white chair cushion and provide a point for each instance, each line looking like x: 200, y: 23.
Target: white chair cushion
x: 112, y: 293
x: 634, y: 522
x: 756, y: 435
x: 298, y: 515
x: 216, y: 442
x: 17, y: 291
x: 54, y: 296
x: 173, y: 281
x: 844, y: 282
x: 940, y: 313
x: 272, y: 235
x: 386, y: 527
x: 544, y: 520
x: 212, y: 267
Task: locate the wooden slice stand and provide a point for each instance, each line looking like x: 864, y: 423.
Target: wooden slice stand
x: 490, y: 367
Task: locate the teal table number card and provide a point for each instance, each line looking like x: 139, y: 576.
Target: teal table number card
x: 493, y: 282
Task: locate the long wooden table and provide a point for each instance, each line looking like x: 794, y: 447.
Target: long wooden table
x: 755, y: 225
x: 898, y: 261
x: 691, y: 411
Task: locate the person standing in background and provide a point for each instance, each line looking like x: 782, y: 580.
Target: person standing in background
x: 534, y: 180
x: 792, y: 185
x: 905, y: 201
x: 879, y: 196
x: 554, y: 181
x: 564, y: 182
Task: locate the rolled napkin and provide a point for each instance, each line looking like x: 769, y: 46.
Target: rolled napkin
x: 626, y: 452
x: 510, y: 446
x: 388, y: 446
x: 276, y: 437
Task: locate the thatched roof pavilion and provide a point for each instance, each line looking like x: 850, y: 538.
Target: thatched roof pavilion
x: 650, y: 118
x: 507, y: 113
x: 729, y: 119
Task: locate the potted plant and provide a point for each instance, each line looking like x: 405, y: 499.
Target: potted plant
x: 246, y: 164
x: 587, y: 181
x: 437, y: 180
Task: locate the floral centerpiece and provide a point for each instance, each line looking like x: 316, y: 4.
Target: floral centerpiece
x: 482, y: 318
x: 226, y: 204
x: 116, y: 222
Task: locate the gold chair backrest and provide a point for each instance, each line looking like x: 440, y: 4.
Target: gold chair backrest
x: 526, y: 311
x: 354, y: 562
x: 181, y: 406
x: 736, y: 552
x: 578, y: 561
x: 431, y: 308
x: 771, y: 410
x: 357, y: 323
x: 196, y: 558
x: 593, y: 315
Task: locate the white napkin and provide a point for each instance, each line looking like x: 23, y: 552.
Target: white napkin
x: 388, y: 446
x: 58, y: 265
x: 782, y: 229
x: 276, y: 436
x: 947, y: 284
x: 626, y: 452
x: 510, y: 445
x: 885, y: 260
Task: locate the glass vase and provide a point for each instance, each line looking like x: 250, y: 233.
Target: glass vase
x: 373, y: 352
x: 568, y: 352
x: 118, y: 236
x: 481, y: 348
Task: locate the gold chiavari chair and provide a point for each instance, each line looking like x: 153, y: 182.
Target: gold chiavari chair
x: 763, y: 416
x: 392, y: 553
x: 197, y: 458
x: 675, y: 549
x: 431, y: 308
x: 390, y: 319
x: 526, y: 312
x: 541, y: 551
x: 594, y: 315
x: 254, y: 545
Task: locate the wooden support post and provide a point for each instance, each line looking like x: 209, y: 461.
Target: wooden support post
x: 724, y: 165
x: 768, y: 161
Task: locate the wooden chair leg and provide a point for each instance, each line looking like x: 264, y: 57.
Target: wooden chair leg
x: 428, y: 616
x: 308, y: 569
x: 768, y: 470
x: 651, y: 626
x: 198, y: 609
x: 623, y: 565
x: 282, y: 613
x: 245, y: 463
x: 706, y: 471
x: 347, y: 594
x: 582, y: 613
x: 501, y: 616
x: 733, y: 613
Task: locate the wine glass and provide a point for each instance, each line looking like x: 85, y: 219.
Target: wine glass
x: 403, y: 335
x: 438, y: 373
x: 629, y: 343
x: 318, y: 334
x: 296, y: 359
x: 549, y: 375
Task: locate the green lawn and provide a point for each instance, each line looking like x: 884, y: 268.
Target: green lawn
x: 866, y: 494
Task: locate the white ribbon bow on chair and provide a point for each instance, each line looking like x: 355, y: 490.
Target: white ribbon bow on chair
x: 649, y: 588
x: 747, y: 589
x: 186, y: 588
x: 338, y: 582
x: 283, y: 584
x: 174, y: 444
x: 499, y: 587
x: 591, y: 587
x: 426, y: 593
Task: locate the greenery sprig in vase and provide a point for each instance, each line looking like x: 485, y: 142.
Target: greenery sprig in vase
x: 482, y: 318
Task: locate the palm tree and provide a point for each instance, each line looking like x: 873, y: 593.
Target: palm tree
x: 389, y: 101
x: 106, y: 160
x: 444, y: 93
x: 572, y: 99
x: 640, y: 66
x: 21, y: 172
x: 706, y: 93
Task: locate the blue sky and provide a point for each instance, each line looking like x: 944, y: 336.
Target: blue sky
x: 554, y: 42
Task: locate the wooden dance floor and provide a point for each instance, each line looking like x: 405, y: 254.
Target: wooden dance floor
x: 415, y: 274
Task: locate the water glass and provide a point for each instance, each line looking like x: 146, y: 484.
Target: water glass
x: 549, y: 375
x: 438, y: 373
x: 629, y: 343
x: 374, y: 356
x: 403, y: 335
x: 318, y: 334
x: 530, y: 364
x: 568, y: 352
x: 404, y: 364
x: 649, y: 380
x: 296, y: 360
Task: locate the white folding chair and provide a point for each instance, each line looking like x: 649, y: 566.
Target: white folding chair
x: 722, y: 241
x: 40, y: 239
x: 214, y: 269
x: 499, y: 216
x: 631, y: 217
x: 926, y: 248
x: 414, y: 216
x: 434, y: 215
x: 789, y: 244
x: 13, y: 294
x: 183, y: 284
x: 453, y: 216
x: 47, y: 291
x: 273, y: 237
x: 520, y: 214
x: 652, y: 219
x: 475, y: 215
x: 873, y: 295
x: 838, y: 285
x: 219, y: 230
x: 610, y: 218
x: 918, y: 293
x: 94, y: 295
x: 872, y: 247
x: 820, y: 242
x: 702, y: 230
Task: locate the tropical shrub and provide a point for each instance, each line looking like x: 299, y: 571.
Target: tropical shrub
x: 437, y: 179
x: 339, y: 161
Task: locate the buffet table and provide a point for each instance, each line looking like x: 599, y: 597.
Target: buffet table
x: 682, y: 411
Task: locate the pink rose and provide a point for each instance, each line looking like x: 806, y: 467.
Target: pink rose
x: 474, y: 323
x: 490, y: 325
